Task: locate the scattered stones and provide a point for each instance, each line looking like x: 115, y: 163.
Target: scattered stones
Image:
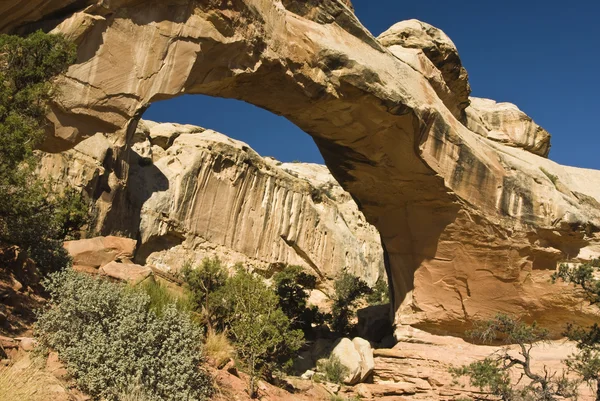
x: 307, y: 375
x: 27, y: 344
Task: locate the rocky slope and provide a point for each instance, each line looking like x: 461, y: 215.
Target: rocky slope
x: 469, y: 224
x: 198, y: 193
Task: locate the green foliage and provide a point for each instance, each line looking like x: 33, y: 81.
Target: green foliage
x: 509, y: 329
x: 333, y: 369
x: 204, y: 283
x: 582, y: 276
x: 380, y: 293
x: 261, y: 332
x: 109, y: 337
x: 586, y: 362
x: 348, y: 290
x: 493, y: 373
x: 160, y: 298
x: 291, y: 285
x: 487, y: 375
x: 550, y: 176
x: 30, y: 217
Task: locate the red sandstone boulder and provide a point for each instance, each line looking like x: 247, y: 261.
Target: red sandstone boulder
x: 99, y: 251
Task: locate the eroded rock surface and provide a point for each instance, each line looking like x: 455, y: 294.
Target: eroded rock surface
x: 505, y: 123
x: 201, y: 194
x: 425, y: 40
x: 417, y: 368
x: 469, y: 225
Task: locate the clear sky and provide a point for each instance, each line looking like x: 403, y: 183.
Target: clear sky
x: 543, y: 56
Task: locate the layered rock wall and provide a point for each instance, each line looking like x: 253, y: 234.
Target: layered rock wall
x: 200, y: 194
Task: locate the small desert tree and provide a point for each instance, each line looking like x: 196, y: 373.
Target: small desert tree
x: 493, y: 373
x: 204, y: 282
x: 291, y: 286
x: 30, y: 215
x: 348, y: 290
x: 260, y: 330
x: 586, y: 362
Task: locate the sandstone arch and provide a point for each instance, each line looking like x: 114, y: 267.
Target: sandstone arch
x: 469, y: 226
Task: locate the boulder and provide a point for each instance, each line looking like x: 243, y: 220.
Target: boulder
x: 99, y: 251
x: 27, y: 344
x: 348, y: 356
x: 367, y: 364
x: 357, y: 356
x: 128, y: 272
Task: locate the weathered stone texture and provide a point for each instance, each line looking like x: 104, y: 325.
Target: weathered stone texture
x: 201, y: 194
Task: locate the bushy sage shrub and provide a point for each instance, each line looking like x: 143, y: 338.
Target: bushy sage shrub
x: 109, y: 337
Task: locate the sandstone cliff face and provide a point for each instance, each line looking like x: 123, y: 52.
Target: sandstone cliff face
x: 505, y: 123
x: 200, y: 194
x: 469, y: 225
x: 432, y: 43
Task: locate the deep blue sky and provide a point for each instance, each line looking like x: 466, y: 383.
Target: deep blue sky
x: 543, y: 56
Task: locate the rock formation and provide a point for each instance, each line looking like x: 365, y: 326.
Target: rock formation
x: 198, y: 193
x: 469, y: 225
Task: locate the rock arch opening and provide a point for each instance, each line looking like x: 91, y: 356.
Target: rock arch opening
x: 384, y: 120
x: 224, y: 199
x: 268, y: 134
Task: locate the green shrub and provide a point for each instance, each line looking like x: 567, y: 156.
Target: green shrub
x: 380, y: 293
x: 31, y: 216
x: 348, y: 290
x: 333, y: 369
x: 260, y: 330
x: 109, y: 337
x: 203, y: 283
x: 161, y: 297
x: 291, y: 286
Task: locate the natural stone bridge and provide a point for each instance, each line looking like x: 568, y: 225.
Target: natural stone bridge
x: 470, y: 222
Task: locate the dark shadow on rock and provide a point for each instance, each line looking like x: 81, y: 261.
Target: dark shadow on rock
x: 375, y: 322
x: 139, y: 179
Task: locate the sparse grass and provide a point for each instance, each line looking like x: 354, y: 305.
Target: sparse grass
x: 27, y: 381
x: 161, y: 296
x: 333, y: 369
x: 218, y: 348
x: 133, y: 392
x: 334, y: 397
x: 550, y: 176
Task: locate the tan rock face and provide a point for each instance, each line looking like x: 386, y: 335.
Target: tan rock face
x: 505, y: 123
x: 437, y: 47
x: 201, y: 194
x: 469, y: 225
x: 224, y: 200
x: 99, y: 251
